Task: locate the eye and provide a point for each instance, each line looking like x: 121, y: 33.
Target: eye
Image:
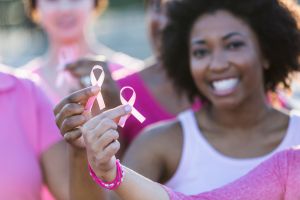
x: 235, y: 45
x: 200, y: 53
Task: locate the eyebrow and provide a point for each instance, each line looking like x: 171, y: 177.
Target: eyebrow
x: 226, y: 37
x: 229, y: 35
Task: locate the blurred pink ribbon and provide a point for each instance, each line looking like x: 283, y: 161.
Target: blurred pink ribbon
x: 99, y: 83
x: 131, y: 102
x: 66, y: 56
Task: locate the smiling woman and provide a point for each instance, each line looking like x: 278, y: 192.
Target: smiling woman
x: 222, y: 51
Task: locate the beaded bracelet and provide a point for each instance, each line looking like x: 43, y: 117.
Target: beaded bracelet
x: 113, y: 184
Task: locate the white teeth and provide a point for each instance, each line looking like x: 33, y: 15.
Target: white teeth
x: 226, y: 84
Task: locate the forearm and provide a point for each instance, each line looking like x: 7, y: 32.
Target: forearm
x: 81, y: 184
x: 137, y: 187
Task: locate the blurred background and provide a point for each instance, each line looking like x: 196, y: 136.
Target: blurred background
x: 121, y: 27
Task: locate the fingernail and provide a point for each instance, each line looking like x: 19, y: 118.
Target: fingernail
x: 66, y: 136
x: 127, y: 108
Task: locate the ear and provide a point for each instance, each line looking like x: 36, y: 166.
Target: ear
x: 35, y: 15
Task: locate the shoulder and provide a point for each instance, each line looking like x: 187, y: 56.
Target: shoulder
x: 161, y: 132
x: 15, y: 79
x: 33, y: 65
x: 294, y: 114
x: 158, y: 142
x: 22, y: 84
x: 156, y: 151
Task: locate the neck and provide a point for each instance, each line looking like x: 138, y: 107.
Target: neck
x: 52, y: 56
x: 247, y: 115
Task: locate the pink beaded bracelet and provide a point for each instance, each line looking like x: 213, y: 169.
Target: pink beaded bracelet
x: 113, y: 184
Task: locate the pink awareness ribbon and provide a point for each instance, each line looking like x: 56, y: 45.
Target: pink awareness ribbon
x: 131, y: 102
x: 66, y: 56
x: 99, y: 83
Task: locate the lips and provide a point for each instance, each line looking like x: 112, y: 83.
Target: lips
x: 225, y: 86
x: 66, y: 22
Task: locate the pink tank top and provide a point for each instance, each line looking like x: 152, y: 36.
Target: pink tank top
x: 277, y: 178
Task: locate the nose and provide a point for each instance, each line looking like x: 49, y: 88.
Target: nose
x: 218, y: 62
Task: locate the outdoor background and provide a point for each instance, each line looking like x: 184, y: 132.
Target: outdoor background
x: 121, y: 27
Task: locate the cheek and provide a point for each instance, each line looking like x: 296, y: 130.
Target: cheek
x: 153, y: 25
x: 197, y: 70
x: 48, y: 19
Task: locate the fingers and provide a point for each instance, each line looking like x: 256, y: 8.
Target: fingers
x: 112, y: 114
x: 104, y: 148
x: 73, y: 135
x: 80, y: 97
x: 110, y: 151
x: 104, y: 125
x: 105, y: 140
x: 67, y: 111
x: 72, y: 123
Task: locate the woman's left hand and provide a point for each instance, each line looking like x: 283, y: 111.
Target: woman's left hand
x: 101, y: 140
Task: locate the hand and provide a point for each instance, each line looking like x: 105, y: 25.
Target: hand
x: 70, y: 115
x: 82, y: 69
x: 101, y: 138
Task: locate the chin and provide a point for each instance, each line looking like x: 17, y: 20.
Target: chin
x: 68, y: 38
x: 226, y: 104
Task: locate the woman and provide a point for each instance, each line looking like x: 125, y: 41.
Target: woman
x: 65, y: 22
x: 30, y: 142
x: 221, y: 51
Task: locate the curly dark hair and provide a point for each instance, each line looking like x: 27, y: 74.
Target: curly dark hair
x: 274, y: 22
x: 30, y: 6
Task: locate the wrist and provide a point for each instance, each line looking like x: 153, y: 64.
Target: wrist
x: 108, y: 175
x: 110, y: 181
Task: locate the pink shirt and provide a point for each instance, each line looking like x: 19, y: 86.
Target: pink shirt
x: 275, y: 179
x: 27, y: 129
x: 34, y: 70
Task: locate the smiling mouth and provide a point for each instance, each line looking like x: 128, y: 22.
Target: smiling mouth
x: 224, y: 86
x: 66, y: 23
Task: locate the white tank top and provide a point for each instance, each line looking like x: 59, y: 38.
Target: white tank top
x: 203, y: 168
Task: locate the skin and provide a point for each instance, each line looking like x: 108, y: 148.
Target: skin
x: 153, y: 75
x: 100, y: 134
x: 221, y: 46
x: 68, y: 120
x: 65, y: 22
x: 217, y: 58
x: 101, y: 138
x: 54, y: 176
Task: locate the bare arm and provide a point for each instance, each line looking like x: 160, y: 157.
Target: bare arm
x: 100, y: 136
x: 81, y: 184
x: 70, y: 115
x: 55, y: 170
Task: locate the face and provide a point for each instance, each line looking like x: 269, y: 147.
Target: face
x: 226, y: 60
x: 64, y: 20
x: 156, y: 21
